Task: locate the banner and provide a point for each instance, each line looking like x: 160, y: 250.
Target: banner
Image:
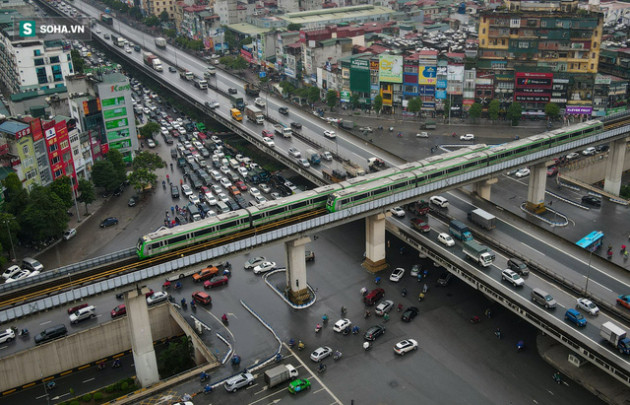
x: 390, y: 68
x: 427, y: 75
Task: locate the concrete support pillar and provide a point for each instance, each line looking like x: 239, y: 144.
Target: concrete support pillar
x: 296, y: 271
x: 614, y: 166
x: 536, y: 189
x: 144, y: 358
x: 375, y: 243
x: 484, y: 187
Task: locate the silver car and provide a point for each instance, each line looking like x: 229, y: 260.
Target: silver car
x: 238, y: 381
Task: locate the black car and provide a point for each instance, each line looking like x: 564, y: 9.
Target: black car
x: 591, y: 200
x: 107, y: 222
x: 168, y: 139
x: 296, y: 125
x: 283, y: 110
x: 233, y: 205
x: 374, y: 332
x: 445, y: 279
x: 172, y: 69
x: 174, y: 153
x: 119, y: 190
x: 232, y: 90
x: 518, y: 266
x: 174, y: 192
x: 602, y: 148
x: 409, y: 314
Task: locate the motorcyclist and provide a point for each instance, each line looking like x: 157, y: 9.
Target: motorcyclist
x: 366, y: 345
x: 325, y: 318
x: 317, y: 328
x: 178, y: 285
x: 497, y: 333
x: 116, y: 363
x: 291, y: 342
x: 51, y: 385
x: 343, y: 310
x: 166, y: 285
x: 224, y: 318
x: 367, y: 313
x: 204, y: 376
x: 183, y: 302
x: 404, y: 292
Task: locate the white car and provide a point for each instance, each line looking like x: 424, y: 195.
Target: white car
x: 588, y: 306
x: 216, y: 189
x: 224, y: 169
x: 10, y: 272
x: 128, y: 49
x: 512, y: 277
x: 446, y: 239
x: 342, y: 324
x: 193, y: 199
x: 467, y: 137
x: 590, y: 151
x: 242, y: 171
x: 156, y: 297
x: 330, y: 134
x: 304, y: 163
x: 321, y: 353
x: 210, y: 199
x: 269, y: 142
x: 22, y: 274
x: 253, y: 191
x: 397, y: 212
x: 7, y: 335
x: 69, y: 234
x: 327, y: 155
x: 216, y: 175
x: 223, y: 197
x: 422, y: 135
x: 397, y: 274
x: 186, y: 190
x: 251, y: 263
x: 384, y: 307
x: 295, y: 153
x: 264, y: 188
x: 264, y: 267
x: 573, y: 155
x: 225, y: 182
x: 405, y: 346
x: 522, y: 172
x: 439, y: 201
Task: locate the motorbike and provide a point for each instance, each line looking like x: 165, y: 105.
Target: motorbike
x: 321, y: 369
x: 420, y: 297
x: 343, y: 311
x: 346, y: 331
x: 337, y: 355
x: 164, y: 184
x: 520, y: 346
x: 400, y: 307
x: 23, y: 333
x: 367, y: 314
x: 367, y: 346
x: 301, y: 345
x: 556, y: 377
x: 204, y: 376
x: 355, y: 330
x: 291, y: 343
x: 325, y: 319
x: 403, y: 292
x: 166, y: 285
x: 116, y: 363
x: 224, y: 319
x: 207, y: 389
x: 498, y: 333
x: 318, y: 327
x: 184, y: 305
x: 425, y: 288
x: 193, y: 306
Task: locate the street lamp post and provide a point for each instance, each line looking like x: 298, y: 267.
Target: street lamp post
x: 10, y: 239
x: 74, y: 197
x: 588, y: 275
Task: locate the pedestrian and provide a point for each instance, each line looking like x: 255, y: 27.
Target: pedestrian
x: 172, y: 210
x: 181, y: 182
x: 550, y: 203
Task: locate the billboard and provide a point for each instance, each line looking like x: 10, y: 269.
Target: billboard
x: 390, y: 68
x: 427, y: 75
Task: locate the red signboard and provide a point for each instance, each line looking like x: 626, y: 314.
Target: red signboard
x: 36, y: 129
x: 4, y: 149
x: 535, y: 75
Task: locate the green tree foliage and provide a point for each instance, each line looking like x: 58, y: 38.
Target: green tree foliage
x: 331, y: 99
x: 234, y: 63
x: 378, y: 103
x: 148, y: 129
x: 287, y: 87
x: 414, y: 105
x: 313, y: 94
x: 62, y: 186
x: 447, y: 108
x: 135, y: 13
x: 104, y: 175
x: 552, y: 110
x: 148, y: 160
x: 475, y: 111
x: 151, y: 21
x: 141, y: 178
x: 164, y: 17
x: 176, y: 358
x: 354, y: 100
x: 514, y: 113
x: 87, y: 193
x: 493, y: 110
x: 120, y: 168
x: 8, y: 225
x: 230, y: 38
x: 294, y: 27
x: 171, y: 33
x: 77, y: 61
x: 16, y: 195
x: 44, y: 217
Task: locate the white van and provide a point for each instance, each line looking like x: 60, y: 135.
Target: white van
x: 83, y: 314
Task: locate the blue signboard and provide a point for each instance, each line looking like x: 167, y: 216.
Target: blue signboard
x: 262, y: 74
x: 441, y: 84
x: 440, y: 94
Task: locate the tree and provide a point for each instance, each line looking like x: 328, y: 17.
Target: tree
x: 331, y: 99
x: 475, y: 111
x: 118, y: 164
x: 313, y: 94
x: 164, y: 17
x: 16, y: 195
x: 148, y: 129
x: 414, y: 105
x: 78, y: 63
x: 171, y: 33
x: 287, y: 87
x: 11, y: 226
x: 447, y: 109
x: 151, y: 21
x: 378, y: 103
x: 552, y: 110
x: 142, y: 178
x: 294, y: 27
x: 514, y: 113
x: 62, y: 187
x: 493, y: 110
x: 135, y: 13
x: 104, y: 175
x: 149, y: 161
x: 354, y: 100
x: 44, y: 217
x: 177, y: 357
x: 88, y: 195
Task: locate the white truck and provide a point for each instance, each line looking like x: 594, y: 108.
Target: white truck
x: 615, y: 336
x: 152, y: 60
x: 260, y: 102
x: 160, y: 42
x: 483, y: 219
x: 280, y: 374
x: 283, y: 130
x: 254, y: 114
x: 478, y: 252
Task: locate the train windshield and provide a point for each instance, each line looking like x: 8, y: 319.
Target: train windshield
x: 139, y: 246
x: 330, y: 204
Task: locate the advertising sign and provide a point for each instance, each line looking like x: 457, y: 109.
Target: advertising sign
x: 578, y: 110
x: 390, y: 68
x: 345, y: 96
x: 440, y: 94
x: 427, y: 74
x: 362, y: 64
x: 441, y: 84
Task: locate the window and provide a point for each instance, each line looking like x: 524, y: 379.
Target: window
x: 25, y: 150
x: 592, y: 66
x: 41, y: 75
x: 54, y: 59
x: 56, y: 71
x: 56, y: 160
x: 39, y: 61
x: 52, y: 148
x: 64, y: 144
x: 58, y: 173
x: 37, y: 52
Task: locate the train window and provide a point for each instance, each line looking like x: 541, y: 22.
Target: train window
x: 320, y: 199
x: 381, y: 190
x: 154, y: 246
x: 259, y: 216
x: 359, y: 197
x: 400, y: 185
x: 275, y: 212
x: 227, y: 225
x: 204, y: 231
x: 298, y: 204
x: 177, y: 239
x: 434, y: 175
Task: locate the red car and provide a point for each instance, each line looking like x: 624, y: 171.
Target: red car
x: 150, y: 293
x: 76, y: 308
x: 204, y: 190
x: 267, y: 134
x: 201, y: 297
x: 420, y: 225
x: 624, y: 300
x: 241, y: 185
x: 202, y: 136
x: 175, y: 133
x: 119, y: 310
x: 215, y: 281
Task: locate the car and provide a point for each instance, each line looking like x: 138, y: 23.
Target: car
x: 444, y: 279
x: 342, y: 324
x: 591, y: 200
x: 106, y: 36
x: 269, y: 142
x: 128, y: 49
x: 518, y: 266
x: 552, y: 171
x: 574, y: 316
x: 156, y: 297
x: 624, y: 301
x: 201, y: 297
x: 205, y: 273
x: 241, y: 185
x: 409, y: 314
x: 174, y: 192
x: 225, y: 182
x: 107, y: 222
x: 384, y: 307
x: 186, y: 190
x: 238, y: 381
x: 264, y: 267
x: 467, y: 137
x: 251, y: 263
x: 216, y: 281
x: 259, y: 199
x: 439, y: 201
x: 7, y: 335
x: 299, y: 385
x: 283, y: 110
x: 267, y: 133
x: 573, y: 156
x: 588, y: 306
x: 330, y: 134
x: 223, y: 197
x: 397, y: 211
x: 295, y: 153
x: 212, y: 104
x: 397, y: 274
x: 172, y: 69
x: 119, y: 311
x: 446, y: 239
x: 133, y: 200
x: 366, y: 129
x: 422, y: 135
x: 405, y: 346
x: 210, y: 199
x: 415, y: 270
x: 321, y: 353
x: 304, y: 163
x: 253, y: 191
x: 69, y: 234
x: 327, y: 156
x: 194, y: 199
x: 522, y: 172
x: 11, y: 271
x: 602, y: 148
x: 296, y: 125
x: 151, y: 143
x: 264, y: 188
x: 22, y: 274
x: 374, y: 332
x: 276, y: 196
x: 590, y: 151
x: 420, y: 225
x: 232, y: 90
x: 216, y: 189
x: 512, y: 277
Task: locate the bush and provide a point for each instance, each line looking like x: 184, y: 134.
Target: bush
x: 86, y: 398
x: 124, y: 386
x: 74, y: 402
x: 98, y: 396
x: 109, y: 389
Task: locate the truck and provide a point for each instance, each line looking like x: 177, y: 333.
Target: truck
x: 260, y: 102
x: 254, y: 114
x: 210, y: 71
x: 258, y: 175
x: 334, y: 175
x: 237, y: 102
x: 313, y: 157
x: 152, y: 60
x: 353, y: 169
x: 236, y: 114
x: 345, y: 124
x: 419, y: 208
x: 483, y: 219
x: 252, y: 90
x: 280, y: 374
x: 185, y: 74
x: 160, y: 42
x: 118, y: 40
x: 283, y: 130
x: 428, y: 125
x: 459, y: 230
x: 616, y: 336
x: 200, y: 83
x: 107, y: 19
x: 375, y: 164
x: 478, y: 252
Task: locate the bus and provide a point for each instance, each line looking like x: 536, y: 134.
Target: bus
x: 592, y: 241
x: 107, y: 19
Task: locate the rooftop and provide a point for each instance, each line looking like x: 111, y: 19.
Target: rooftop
x: 332, y: 14
x: 12, y: 127
x: 248, y: 29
